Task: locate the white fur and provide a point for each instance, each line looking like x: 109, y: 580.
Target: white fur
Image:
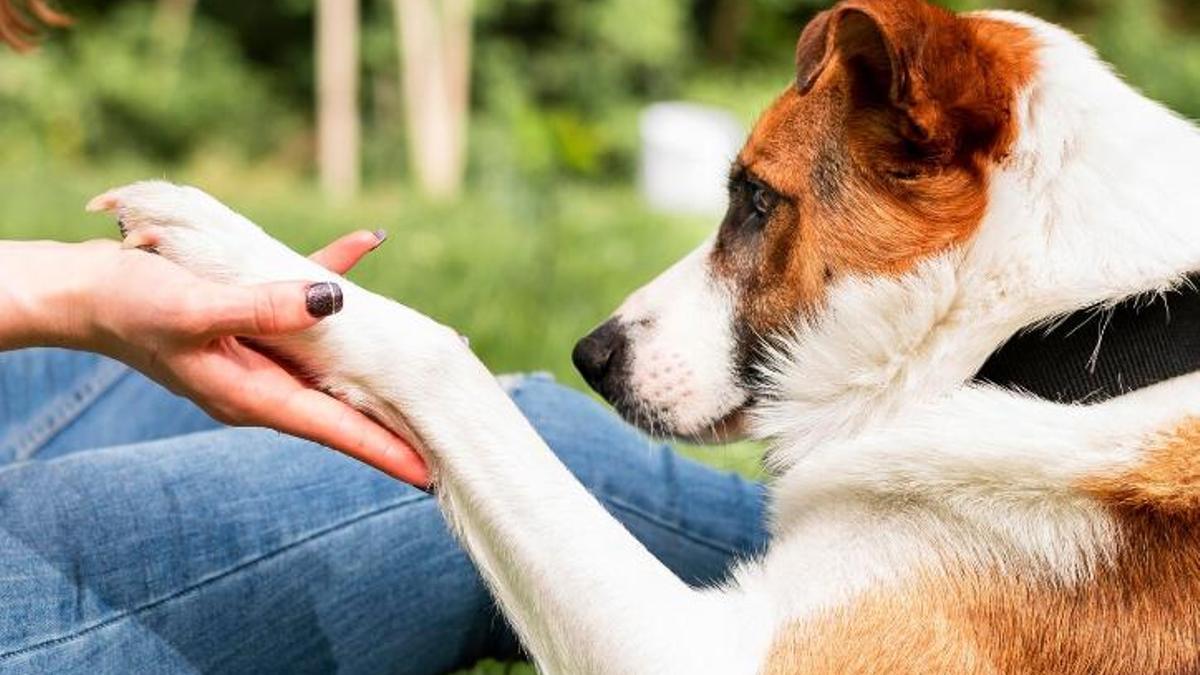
x: 680, y: 328
x: 1092, y: 207
x: 889, y: 463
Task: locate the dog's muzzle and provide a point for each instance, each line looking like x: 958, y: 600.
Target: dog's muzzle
x: 602, y: 358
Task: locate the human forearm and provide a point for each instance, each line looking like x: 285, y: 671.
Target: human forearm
x: 44, y: 292
x: 183, y: 331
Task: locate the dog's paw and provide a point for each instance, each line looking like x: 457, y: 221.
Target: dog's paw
x: 193, y: 229
x: 374, y: 345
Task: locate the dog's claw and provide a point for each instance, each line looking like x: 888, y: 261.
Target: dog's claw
x: 106, y: 202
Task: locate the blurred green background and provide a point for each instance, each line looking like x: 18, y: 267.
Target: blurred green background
x: 545, y: 232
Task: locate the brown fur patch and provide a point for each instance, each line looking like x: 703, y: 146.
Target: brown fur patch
x: 1139, y: 615
x: 1167, y: 481
x: 873, y: 181
x: 1138, y: 618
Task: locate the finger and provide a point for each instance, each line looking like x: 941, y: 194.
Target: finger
x: 269, y: 309
x: 344, y: 253
x: 321, y: 418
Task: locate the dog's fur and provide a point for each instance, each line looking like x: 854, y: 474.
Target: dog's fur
x: 928, y: 187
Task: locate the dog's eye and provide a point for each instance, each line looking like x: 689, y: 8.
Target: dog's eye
x: 762, y: 200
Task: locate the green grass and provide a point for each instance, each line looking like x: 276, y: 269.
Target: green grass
x: 524, y: 274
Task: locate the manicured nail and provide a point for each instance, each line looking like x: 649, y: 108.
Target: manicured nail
x: 324, y: 299
x: 380, y: 237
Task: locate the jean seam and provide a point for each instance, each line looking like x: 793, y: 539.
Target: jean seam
x: 219, y: 576
x: 59, y: 412
x: 622, y: 505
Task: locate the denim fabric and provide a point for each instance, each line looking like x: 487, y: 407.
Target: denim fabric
x: 139, y: 536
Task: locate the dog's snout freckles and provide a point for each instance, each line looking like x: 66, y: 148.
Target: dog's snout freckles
x: 600, y: 358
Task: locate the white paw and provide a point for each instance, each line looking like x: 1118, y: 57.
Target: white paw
x: 193, y: 229
x: 373, y: 347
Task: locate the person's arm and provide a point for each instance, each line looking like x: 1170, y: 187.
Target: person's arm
x: 183, y: 332
x: 41, y: 293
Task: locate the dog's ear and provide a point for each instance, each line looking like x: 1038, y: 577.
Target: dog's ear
x: 921, y: 63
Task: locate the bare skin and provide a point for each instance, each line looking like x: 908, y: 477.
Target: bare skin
x: 183, y: 332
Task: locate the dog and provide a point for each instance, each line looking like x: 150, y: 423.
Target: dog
x: 929, y: 186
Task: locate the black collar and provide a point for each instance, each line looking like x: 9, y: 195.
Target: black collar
x: 1093, y: 355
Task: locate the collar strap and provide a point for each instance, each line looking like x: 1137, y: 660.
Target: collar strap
x: 1096, y: 354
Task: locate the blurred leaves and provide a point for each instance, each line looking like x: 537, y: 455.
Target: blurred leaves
x: 557, y: 83
x: 639, y: 32
x: 111, y: 90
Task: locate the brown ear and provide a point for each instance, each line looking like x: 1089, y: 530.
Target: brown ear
x: 920, y: 61
x: 813, y: 51
x: 878, y: 33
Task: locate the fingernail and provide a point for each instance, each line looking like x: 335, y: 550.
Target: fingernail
x: 324, y: 299
x: 380, y: 237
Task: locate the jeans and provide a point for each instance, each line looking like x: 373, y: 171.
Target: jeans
x: 137, y: 535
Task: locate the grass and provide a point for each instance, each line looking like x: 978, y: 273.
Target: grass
x: 523, y: 273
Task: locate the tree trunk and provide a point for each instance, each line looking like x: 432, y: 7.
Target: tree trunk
x: 173, y: 24
x: 338, y: 134
x: 725, y: 27
x: 173, y: 20
x: 435, y: 56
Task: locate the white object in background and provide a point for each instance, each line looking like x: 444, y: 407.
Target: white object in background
x: 685, y: 156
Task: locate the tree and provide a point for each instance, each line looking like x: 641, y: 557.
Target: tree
x: 173, y: 24
x: 338, y: 133
x: 726, y: 24
x: 435, y: 56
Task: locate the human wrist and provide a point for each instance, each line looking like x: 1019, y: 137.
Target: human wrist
x: 46, y: 291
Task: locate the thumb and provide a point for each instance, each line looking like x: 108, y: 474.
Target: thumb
x: 271, y: 309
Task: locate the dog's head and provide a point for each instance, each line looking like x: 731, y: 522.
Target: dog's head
x: 877, y: 157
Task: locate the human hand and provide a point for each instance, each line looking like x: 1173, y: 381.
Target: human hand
x: 189, y: 334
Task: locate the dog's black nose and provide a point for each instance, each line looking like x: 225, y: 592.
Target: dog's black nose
x: 599, y: 356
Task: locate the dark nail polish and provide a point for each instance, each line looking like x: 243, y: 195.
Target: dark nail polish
x: 324, y: 299
x: 380, y: 237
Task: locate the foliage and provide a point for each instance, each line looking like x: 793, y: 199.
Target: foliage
x: 115, y: 90
x: 493, y: 668
x: 557, y: 83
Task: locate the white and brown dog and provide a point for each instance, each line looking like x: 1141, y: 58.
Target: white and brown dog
x: 931, y: 184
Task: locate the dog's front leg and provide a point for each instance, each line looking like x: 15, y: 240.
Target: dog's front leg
x: 583, y: 594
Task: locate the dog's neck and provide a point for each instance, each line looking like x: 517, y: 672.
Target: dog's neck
x: 1100, y: 353
x: 1093, y: 206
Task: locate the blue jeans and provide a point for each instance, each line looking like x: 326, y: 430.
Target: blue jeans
x: 137, y: 535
